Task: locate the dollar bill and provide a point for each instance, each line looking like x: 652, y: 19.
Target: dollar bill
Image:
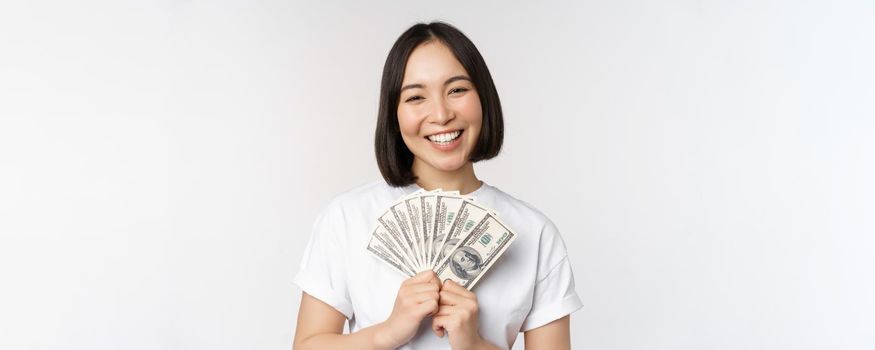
x: 401, y: 215
x: 468, y: 215
x: 477, y: 252
x: 446, y: 209
x: 384, y: 247
x: 428, y: 204
x: 384, y: 254
x: 414, y: 214
x: 403, y: 241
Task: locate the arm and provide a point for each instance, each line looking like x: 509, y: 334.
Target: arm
x: 320, y: 326
x: 554, y: 335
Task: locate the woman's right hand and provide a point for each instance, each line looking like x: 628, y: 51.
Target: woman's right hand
x: 417, y: 299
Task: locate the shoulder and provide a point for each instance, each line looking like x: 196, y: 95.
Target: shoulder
x: 508, y: 206
x: 538, y: 235
x: 360, y: 200
x: 357, y: 193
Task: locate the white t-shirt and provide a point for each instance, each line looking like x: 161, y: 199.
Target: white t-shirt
x: 528, y: 287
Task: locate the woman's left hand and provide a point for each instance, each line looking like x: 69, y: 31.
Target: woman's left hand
x: 457, y: 315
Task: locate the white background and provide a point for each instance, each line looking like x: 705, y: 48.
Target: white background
x: 709, y: 163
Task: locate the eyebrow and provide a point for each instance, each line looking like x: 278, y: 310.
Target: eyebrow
x: 450, y: 80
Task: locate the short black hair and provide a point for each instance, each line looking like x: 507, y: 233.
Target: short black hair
x: 393, y: 157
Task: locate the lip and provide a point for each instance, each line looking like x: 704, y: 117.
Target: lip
x: 448, y: 147
x: 443, y: 132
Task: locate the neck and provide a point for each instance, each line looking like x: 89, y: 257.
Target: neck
x: 463, y: 179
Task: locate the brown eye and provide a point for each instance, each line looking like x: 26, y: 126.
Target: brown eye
x: 458, y: 90
x: 413, y: 98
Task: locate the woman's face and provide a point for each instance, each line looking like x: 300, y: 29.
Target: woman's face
x: 439, y: 110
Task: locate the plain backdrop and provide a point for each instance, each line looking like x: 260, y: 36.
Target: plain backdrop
x: 709, y: 163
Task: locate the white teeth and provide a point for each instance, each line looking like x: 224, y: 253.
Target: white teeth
x: 445, y: 138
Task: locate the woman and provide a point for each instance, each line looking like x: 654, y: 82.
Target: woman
x: 439, y: 113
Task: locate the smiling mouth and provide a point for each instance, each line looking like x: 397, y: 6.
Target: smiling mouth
x: 445, y: 138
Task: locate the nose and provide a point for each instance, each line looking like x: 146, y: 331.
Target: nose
x: 442, y: 113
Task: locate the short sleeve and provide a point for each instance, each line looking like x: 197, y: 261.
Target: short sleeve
x: 554, y: 295
x: 322, y: 274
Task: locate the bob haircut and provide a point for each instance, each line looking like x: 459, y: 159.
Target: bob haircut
x: 393, y: 157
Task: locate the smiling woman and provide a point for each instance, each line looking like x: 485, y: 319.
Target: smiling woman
x: 439, y: 114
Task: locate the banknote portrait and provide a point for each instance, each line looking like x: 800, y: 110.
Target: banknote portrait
x: 466, y: 263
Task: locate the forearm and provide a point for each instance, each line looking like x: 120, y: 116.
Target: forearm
x: 370, y: 338
x: 486, y: 345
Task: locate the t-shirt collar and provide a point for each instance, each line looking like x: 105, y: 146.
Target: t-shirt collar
x: 414, y: 187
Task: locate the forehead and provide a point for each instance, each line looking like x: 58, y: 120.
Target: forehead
x: 432, y: 62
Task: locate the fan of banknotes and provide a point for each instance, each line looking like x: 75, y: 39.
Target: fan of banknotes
x: 444, y: 231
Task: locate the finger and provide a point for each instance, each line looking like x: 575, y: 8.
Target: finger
x: 457, y: 288
x: 428, y: 307
x: 452, y: 297
x: 423, y: 276
x: 437, y: 328
x: 428, y: 275
x: 458, y: 304
x: 447, y: 310
x: 409, y: 290
x: 425, y: 296
x: 449, y: 298
x: 423, y: 287
x: 435, y: 280
x: 445, y: 323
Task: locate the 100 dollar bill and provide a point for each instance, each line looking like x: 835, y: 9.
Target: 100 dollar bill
x: 477, y: 252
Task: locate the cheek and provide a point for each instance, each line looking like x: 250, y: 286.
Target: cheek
x: 408, y: 122
x: 472, y: 110
x: 473, y: 115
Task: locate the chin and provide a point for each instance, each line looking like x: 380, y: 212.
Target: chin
x: 449, y: 166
